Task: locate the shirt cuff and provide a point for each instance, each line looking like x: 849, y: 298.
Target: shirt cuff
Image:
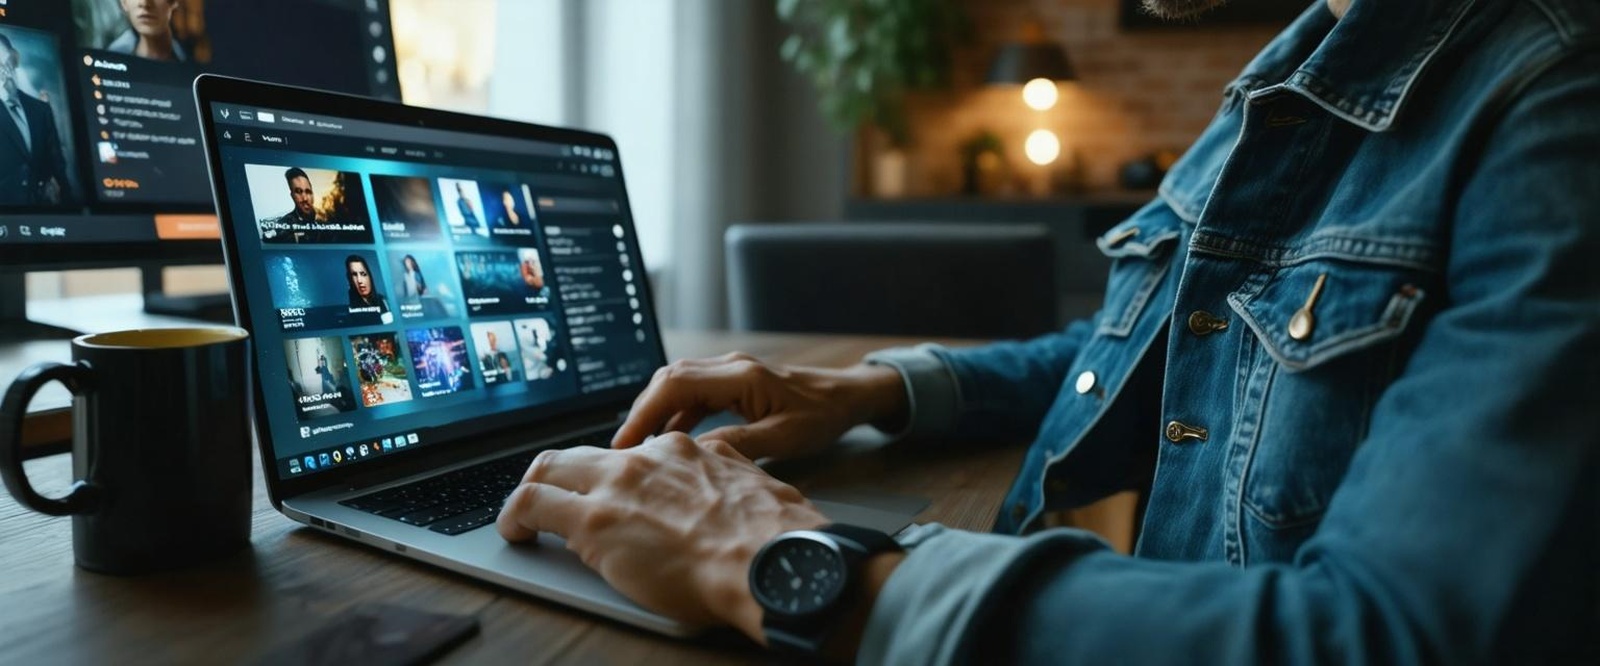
x: 926, y: 611
x: 933, y: 395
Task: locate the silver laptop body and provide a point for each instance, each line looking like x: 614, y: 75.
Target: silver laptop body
x: 474, y: 292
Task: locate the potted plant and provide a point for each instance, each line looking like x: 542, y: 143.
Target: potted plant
x: 864, y: 55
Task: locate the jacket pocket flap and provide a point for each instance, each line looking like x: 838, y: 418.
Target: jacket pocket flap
x: 1139, y: 236
x: 1357, y: 306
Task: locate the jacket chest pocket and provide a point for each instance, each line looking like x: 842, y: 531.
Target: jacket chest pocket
x: 1324, y: 344
x: 1140, y: 251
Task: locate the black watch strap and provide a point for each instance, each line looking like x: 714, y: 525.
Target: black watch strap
x: 867, y: 541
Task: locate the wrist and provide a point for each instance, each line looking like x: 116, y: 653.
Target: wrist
x: 877, y: 394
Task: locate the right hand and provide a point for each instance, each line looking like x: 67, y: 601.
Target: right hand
x: 789, y: 410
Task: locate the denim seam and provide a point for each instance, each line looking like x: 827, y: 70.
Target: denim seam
x: 1556, y: 21
x: 1404, y: 253
x: 1241, y: 502
x: 1136, y: 303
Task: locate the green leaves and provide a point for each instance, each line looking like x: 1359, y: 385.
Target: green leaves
x: 863, y: 55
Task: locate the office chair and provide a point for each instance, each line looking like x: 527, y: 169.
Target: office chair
x: 933, y: 280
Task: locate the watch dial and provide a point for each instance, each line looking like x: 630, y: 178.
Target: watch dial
x: 799, y: 576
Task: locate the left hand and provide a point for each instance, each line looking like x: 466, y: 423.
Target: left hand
x: 671, y: 523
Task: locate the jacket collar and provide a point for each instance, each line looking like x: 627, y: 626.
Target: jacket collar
x: 1361, y: 68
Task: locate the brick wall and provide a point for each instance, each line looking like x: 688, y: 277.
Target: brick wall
x: 1136, y: 92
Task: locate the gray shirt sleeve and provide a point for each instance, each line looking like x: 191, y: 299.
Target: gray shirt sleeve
x: 933, y: 395
x: 926, y: 611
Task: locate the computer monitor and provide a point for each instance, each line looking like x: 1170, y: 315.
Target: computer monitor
x: 100, y: 156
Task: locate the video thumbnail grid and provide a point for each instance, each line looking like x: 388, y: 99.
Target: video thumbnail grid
x: 414, y: 257
x: 333, y: 375
x: 441, y: 248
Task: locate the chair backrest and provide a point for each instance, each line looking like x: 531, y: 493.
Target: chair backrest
x: 936, y: 280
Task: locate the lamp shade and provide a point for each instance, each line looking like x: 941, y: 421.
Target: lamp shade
x: 1021, y: 63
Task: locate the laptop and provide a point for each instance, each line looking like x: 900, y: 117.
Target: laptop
x: 434, y: 298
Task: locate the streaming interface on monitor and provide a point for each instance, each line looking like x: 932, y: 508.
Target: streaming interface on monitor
x: 96, y: 113
x: 409, y: 284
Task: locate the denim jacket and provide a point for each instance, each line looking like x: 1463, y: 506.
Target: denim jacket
x: 1351, y: 353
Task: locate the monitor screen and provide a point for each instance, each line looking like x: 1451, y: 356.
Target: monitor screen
x: 407, y: 286
x: 98, y: 140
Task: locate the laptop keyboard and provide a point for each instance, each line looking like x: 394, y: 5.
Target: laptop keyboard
x: 460, y: 501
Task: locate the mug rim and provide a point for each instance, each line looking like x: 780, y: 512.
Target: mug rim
x: 216, y: 335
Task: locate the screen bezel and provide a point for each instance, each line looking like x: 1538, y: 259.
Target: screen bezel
x: 140, y: 253
x: 498, y: 429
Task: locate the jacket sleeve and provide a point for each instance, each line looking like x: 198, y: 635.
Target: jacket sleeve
x: 997, y: 392
x: 1467, y: 529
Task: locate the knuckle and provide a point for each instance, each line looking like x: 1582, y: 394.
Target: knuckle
x: 733, y: 357
x: 540, y: 467
x: 632, y: 471
x: 720, y: 447
x: 598, y: 519
x: 750, y: 369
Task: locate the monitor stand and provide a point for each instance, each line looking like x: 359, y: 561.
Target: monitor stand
x: 207, y: 307
x: 15, y: 326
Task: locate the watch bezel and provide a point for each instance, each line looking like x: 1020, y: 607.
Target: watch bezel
x: 761, y: 563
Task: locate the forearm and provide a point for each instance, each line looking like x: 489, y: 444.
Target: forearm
x: 996, y: 391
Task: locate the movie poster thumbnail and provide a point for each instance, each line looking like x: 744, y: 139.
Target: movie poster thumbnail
x: 543, y: 354
x: 440, y: 361
x: 381, y: 369
x: 498, y: 360
x: 423, y: 285
x: 319, y: 289
x: 496, y: 282
x: 319, y: 377
x: 160, y: 30
x: 506, y: 208
x: 463, y: 208
x: 406, y: 208
x: 293, y: 205
x: 38, y: 164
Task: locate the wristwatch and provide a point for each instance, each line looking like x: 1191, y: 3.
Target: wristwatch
x: 803, y: 579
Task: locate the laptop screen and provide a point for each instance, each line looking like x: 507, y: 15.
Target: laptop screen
x: 409, y: 286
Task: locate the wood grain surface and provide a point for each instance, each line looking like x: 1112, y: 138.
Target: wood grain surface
x: 293, y: 579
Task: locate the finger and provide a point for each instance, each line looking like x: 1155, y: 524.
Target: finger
x: 685, y: 420
x: 754, y: 440
x: 722, y: 448
x: 683, y: 387
x: 576, y: 469
x: 535, y: 507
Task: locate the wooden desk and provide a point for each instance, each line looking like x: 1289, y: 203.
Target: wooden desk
x: 294, y: 578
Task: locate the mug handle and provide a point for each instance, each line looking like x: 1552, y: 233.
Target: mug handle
x: 83, y: 497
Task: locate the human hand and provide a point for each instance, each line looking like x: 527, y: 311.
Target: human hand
x: 52, y: 191
x: 672, y: 524
x: 789, y: 410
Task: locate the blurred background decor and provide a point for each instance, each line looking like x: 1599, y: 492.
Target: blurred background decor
x: 863, y: 57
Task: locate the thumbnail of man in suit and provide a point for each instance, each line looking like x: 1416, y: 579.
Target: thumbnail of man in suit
x: 33, y: 169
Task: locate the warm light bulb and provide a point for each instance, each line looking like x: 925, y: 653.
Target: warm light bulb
x: 1039, y: 94
x: 1042, y: 147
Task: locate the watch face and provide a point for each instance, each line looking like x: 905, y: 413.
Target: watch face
x: 798, y: 575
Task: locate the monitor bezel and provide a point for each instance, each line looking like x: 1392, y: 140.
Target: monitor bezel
x: 506, y: 429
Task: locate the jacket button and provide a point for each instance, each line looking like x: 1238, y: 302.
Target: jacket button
x: 1178, y: 432
x: 1085, y: 383
x: 1205, y: 323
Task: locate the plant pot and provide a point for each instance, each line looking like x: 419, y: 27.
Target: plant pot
x: 890, y: 174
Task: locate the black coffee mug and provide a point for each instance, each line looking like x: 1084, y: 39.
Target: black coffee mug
x: 160, y: 447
